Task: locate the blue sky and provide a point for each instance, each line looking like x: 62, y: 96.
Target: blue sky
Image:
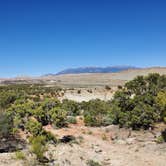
x: 46, y: 36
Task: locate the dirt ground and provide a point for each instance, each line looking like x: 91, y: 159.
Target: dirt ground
x: 109, y: 146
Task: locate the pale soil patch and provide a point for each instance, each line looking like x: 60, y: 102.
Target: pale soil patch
x: 97, y: 93
x: 7, y: 159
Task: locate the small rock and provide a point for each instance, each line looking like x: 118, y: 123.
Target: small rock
x: 121, y: 142
x: 130, y: 141
x: 98, y: 151
x: 107, y: 159
x: 157, y: 135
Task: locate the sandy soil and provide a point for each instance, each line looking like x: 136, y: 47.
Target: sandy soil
x: 109, y: 146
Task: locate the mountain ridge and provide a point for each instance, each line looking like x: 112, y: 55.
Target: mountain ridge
x: 81, y: 70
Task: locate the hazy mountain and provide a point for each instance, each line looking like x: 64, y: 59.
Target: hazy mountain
x: 111, y: 69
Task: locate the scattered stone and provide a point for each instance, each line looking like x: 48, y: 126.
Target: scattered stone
x: 98, y: 151
x: 121, y: 142
x: 130, y: 141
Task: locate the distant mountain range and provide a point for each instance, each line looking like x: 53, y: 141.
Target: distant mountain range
x: 114, y: 76
x: 80, y: 70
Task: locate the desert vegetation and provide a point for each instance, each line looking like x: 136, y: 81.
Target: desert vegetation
x: 27, y: 109
x: 140, y: 104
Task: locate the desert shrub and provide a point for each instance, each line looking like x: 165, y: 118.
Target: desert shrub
x: 79, y: 91
x: 96, y: 113
x: 137, y: 86
x: 58, y: 117
x: 161, y: 104
x: 6, y: 99
x: 50, y: 137
x: 6, y: 125
x: 41, y: 115
x: 142, y: 116
x: 72, y: 107
x: 137, y: 112
x: 140, y: 103
x: 18, y: 122
x: 89, y: 91
x: 162, y: 138
x: 107, y: 87
x: 72, y: 120
x: 93, y: 163
x: 142, y: 113
x: 120, y: 87
x: 20, y: 155
x: 121, y: 106
x: 38, y: 146
x: 34, y: 127
x: 49, y: 103
x: 155, y: 83
x: 10, y: 93
x: 43, y: 111
x: 21, y: 108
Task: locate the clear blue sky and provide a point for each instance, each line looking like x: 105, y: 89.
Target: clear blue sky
x: 45, y: 36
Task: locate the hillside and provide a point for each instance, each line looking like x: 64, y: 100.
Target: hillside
x: 86, y: 79
x: 102, y: 79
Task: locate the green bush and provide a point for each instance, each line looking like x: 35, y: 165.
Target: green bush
x: 20, y: 155
x: 43, y: 112
x: 21, y: 108
x: 38, y: 146
x: 162, y: 138
x: 34, y: 127
x: 18, y: 122
x: 140, y: 103
x: 50, y: 137
x: 93, y: 163
x: 6, y: 125
x: 72, y: 120
x: 49, y: 104
x: 42, y: 115
x: 96, y: 113
x: 6, y: 99
x: 137, y: 86
x: 72, y: 107
x: 161, y: 104
x: 137, y: 112
x: 142, y: 116
x: 58, y: 117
